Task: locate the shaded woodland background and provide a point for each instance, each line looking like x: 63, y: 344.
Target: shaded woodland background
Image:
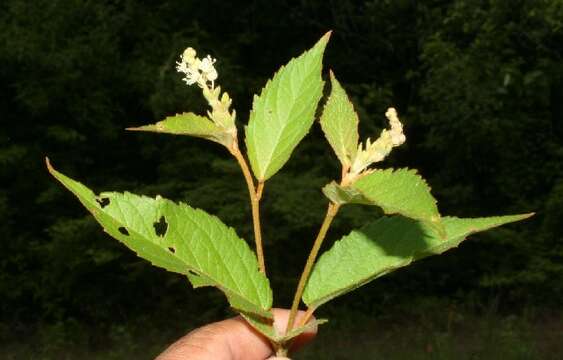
x: 478, y: 84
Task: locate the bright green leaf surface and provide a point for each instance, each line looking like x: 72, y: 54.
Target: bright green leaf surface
x: 284, y: 112
x: 187, y: 124
x: 181, y: 239
x: 383, y: 246
x: 339, y: 122
x: 401, y: 192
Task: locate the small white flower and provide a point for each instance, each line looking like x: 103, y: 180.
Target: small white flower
x: 197, y: 71
x: 192, y: 77
x: 207, y: 68
x: 189, y: 55
x: 391, y: 115
x: 206, y: 64
x: 212, y: 75
x: 398, y: 139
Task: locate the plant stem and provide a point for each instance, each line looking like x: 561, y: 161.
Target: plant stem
x: 281, y: 352
x: 255, y: 196
x: 259, y: 190
x: 307, y: 316
x: 330, y: 213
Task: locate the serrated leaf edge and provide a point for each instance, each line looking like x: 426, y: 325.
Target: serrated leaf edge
x: 347, y: 156
x: 96, y: 208
x: 262, y: 173
x: 455, y: 238
x: 395, y: 211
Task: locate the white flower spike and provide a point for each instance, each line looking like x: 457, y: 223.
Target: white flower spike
x: 203, y: 73
x: 372, y: 152
x: 397, y: 135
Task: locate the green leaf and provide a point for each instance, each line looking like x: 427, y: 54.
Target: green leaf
x: 344, y: 194
x: 401, y: 192
x: 189, y: 124
x: 384, y: 246
x: 266, y: 328
x: 181, y: 239
x: 284, y: 112
x: 339, y: 122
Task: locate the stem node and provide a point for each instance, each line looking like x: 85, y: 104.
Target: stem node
x: 255, y: 195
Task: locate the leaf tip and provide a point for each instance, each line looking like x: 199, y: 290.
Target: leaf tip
x: 324, y: 40
x: 336, y: 84
x: 519, y: 217
x: 49, y: 166
x: 140, y: 128
x: 526, y: 216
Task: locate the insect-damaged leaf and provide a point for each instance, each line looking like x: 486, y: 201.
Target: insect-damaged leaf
x: 181, y: 239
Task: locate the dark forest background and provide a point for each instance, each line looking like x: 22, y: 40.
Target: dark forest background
x: 478, y: 84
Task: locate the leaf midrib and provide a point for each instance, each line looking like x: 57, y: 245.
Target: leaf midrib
x: 277, y: 143
x: 238, y: 291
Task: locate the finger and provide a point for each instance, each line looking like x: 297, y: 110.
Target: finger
x: 231, y: 339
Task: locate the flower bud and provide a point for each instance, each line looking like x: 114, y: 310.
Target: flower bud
x: 189, y: 55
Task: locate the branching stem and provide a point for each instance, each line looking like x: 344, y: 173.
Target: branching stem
x: 330, y: 213
x: 255, y: 195
x: 259, y: 190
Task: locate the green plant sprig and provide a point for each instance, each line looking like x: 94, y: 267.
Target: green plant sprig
x: 200, y: 246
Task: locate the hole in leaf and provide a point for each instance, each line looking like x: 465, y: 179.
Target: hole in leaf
x: 172, y: 250
x: 193, y: 272
x: 160, y: 227
x: 103, y: 202
x: 123, y: 230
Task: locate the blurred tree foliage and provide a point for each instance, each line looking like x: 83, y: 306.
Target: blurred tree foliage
x: 479, y: 85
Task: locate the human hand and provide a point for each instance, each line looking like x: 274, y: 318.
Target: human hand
x: 233, y: 339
